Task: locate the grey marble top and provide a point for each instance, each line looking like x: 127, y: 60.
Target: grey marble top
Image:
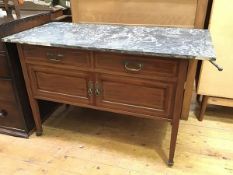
x: 156, y: 41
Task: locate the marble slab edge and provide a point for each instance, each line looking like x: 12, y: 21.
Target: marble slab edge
x: 143, y: 53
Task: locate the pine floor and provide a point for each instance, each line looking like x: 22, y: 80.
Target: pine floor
x: 89, y: 142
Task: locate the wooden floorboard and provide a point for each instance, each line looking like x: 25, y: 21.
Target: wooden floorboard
x: 89, y: 142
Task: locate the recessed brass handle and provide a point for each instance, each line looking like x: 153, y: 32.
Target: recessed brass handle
x: 3, y: 113
x: 97, y: 92
x: 54, y: 57
x: 133, y: 67
x: 90, y: 88
x: 97, y: 89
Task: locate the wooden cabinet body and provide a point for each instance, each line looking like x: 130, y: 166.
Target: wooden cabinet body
x: 142, y: 86
x: 15, y: 112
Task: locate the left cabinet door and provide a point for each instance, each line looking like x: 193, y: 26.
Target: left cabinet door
x: 61, y: 85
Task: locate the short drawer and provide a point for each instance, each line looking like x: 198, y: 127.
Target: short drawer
x: 9, y: 113
x: 59, y: 56
x: 4, y: 69
x: 140, y: 65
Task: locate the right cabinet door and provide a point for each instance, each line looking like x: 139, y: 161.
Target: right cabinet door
x: 135, y: 96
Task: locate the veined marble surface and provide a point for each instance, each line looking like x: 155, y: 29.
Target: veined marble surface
x: 156, y: 41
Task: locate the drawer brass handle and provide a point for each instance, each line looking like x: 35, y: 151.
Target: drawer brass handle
x: 97, y: 89
x: 90, y: 88
x: 54, y: 57
x: 3, y: 113
x: 133, y: 67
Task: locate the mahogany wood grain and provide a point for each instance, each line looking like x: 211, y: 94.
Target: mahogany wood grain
x: 127, y: 113
x: 51, y: 55
x: 33, y: 103
x: 177, y: 109
x: 141, y: 66
x: 60, y: 84
x: 135, y: 95
x: 192, y: 67
x: 149, y: 87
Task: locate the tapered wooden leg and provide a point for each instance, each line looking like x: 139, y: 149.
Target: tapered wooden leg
x: 36, y: 116
x: 33, y: 102
x: 189, y: 89
x: 204, y: 103
x: 177, y: 112
x: 175, y: 127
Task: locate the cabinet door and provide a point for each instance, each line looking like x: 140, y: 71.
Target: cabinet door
x: 61, y: 85
x: 134, y: 96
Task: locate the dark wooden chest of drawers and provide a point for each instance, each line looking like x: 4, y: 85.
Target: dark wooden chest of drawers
x: 15, y: 111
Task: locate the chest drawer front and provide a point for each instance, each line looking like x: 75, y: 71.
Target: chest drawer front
x: 4, y: 69
x: 136, y: 96
x: 6, y: 90
x: 1, y: 47
x: 9, y: 113
x: 139, y: 65
x: 57, y: 56
x: 59, y: 84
